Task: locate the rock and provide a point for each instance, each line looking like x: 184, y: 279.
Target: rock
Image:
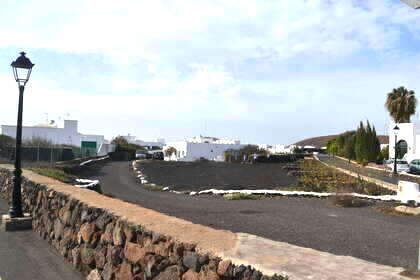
x: 100, y: 258
x: 238, y: 271
x: 190, y: 275
x: 114, y: 255
x: 134, y: 252
x: 75, y: 215
x: 118, y: 236
x: 87, y: 255
x: 75, y: 257
x: 139, y: 276
x: 103, y: 220
x: 86, y: 232
x: 170, y: 273
x: 94, y: 275
x: 190, y: 260
x: 65, y: 215
x: 202, y: 260
x: 124, y: 273
x: 106, y: 237
x: 58, y: 229
x: 208, y: 275
x: 178, y: 250
x: 108, y: 272
x: 225, y: 269
x: 163, y: 248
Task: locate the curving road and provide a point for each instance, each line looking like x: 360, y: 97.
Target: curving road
x: 314, y: 223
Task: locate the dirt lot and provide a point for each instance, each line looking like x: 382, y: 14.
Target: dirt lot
x: 196, y: 176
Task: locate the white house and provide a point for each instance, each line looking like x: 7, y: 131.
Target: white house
x: 407, y: 139
x: 282, y: 149
x: 209, y: 148
x: 67, y: 135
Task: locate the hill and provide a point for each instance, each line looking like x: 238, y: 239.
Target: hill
x: 321, y: 141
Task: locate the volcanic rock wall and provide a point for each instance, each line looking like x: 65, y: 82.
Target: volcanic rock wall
x: 103, y: 244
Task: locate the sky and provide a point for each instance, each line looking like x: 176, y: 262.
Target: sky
x: 260, y: 71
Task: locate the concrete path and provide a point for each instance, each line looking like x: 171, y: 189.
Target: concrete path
x: 304, y: 263
x: 25, y: 255
x: 312, y: 223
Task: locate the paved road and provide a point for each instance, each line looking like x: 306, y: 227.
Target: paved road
x: 25, y: 255
x: 314, y: 223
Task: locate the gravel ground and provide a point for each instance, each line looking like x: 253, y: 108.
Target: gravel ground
x: 313, y: 223
x: 197, y: 176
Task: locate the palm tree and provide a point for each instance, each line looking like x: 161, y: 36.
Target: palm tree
x: 401, y: 104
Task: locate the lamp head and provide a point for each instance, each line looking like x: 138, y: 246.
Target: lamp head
x: 22, y: 68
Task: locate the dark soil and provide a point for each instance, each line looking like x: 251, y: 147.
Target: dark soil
x: 197, y: 176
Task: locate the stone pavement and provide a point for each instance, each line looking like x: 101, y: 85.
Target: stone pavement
x: 25, y: 255
x: 304, y: 263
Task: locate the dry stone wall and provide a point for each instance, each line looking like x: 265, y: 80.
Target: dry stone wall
x: 104, y: 246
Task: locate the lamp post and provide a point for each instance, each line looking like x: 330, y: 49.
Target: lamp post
x: 395, y: 129
x: 22, y: 68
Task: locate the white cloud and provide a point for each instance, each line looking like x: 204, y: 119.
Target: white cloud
x: 183, y: 48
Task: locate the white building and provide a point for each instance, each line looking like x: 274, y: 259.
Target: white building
x: 407, y: 139
x: 160, y: 142
x: 209, y: 148
x: 68, y: 135
x: 282, y: 149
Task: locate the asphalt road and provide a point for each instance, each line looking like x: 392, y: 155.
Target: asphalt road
x: 25, y: 255
x: 315, y: 223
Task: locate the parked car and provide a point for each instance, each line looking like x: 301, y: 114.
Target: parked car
x: 140, y: 154
x: 402, y: 165
x: 415, y: 166
x: 158, y: 155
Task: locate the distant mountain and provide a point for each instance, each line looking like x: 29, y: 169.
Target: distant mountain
x: 321, y: 141
x: 318, y: 142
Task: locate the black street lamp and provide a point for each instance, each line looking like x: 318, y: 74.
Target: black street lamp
x: 22, y: 68
x: 395, y: 129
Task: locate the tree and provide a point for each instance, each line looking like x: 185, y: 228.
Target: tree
x: 332, y: 146
x: 170, y: 151
x: 6, y: 141
x: 401, y: 104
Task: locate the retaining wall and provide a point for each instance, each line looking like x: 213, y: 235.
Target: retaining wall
x: 106, y: 238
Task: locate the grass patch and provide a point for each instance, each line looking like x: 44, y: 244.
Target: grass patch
x: 316, y: 177
x: 56, y: 174
x: 153, y: 187
x: 240, y: 196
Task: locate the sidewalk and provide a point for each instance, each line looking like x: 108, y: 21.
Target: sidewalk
x: 304, y: 263
x: 25, y: 255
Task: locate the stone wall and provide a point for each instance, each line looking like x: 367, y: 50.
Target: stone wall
x: 103, y: 244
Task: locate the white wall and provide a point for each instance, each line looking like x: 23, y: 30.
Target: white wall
x: 407, y: 132
x: 68, y: 135
x: 187, y: 151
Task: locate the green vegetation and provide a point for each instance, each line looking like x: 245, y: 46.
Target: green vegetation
x: 240, y: 196
x: 401, y: 104
x: 6, y: 141
x: 316, y: 177
x: 122, y: 145
x: 362, y: 145
x: 54, y: 173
